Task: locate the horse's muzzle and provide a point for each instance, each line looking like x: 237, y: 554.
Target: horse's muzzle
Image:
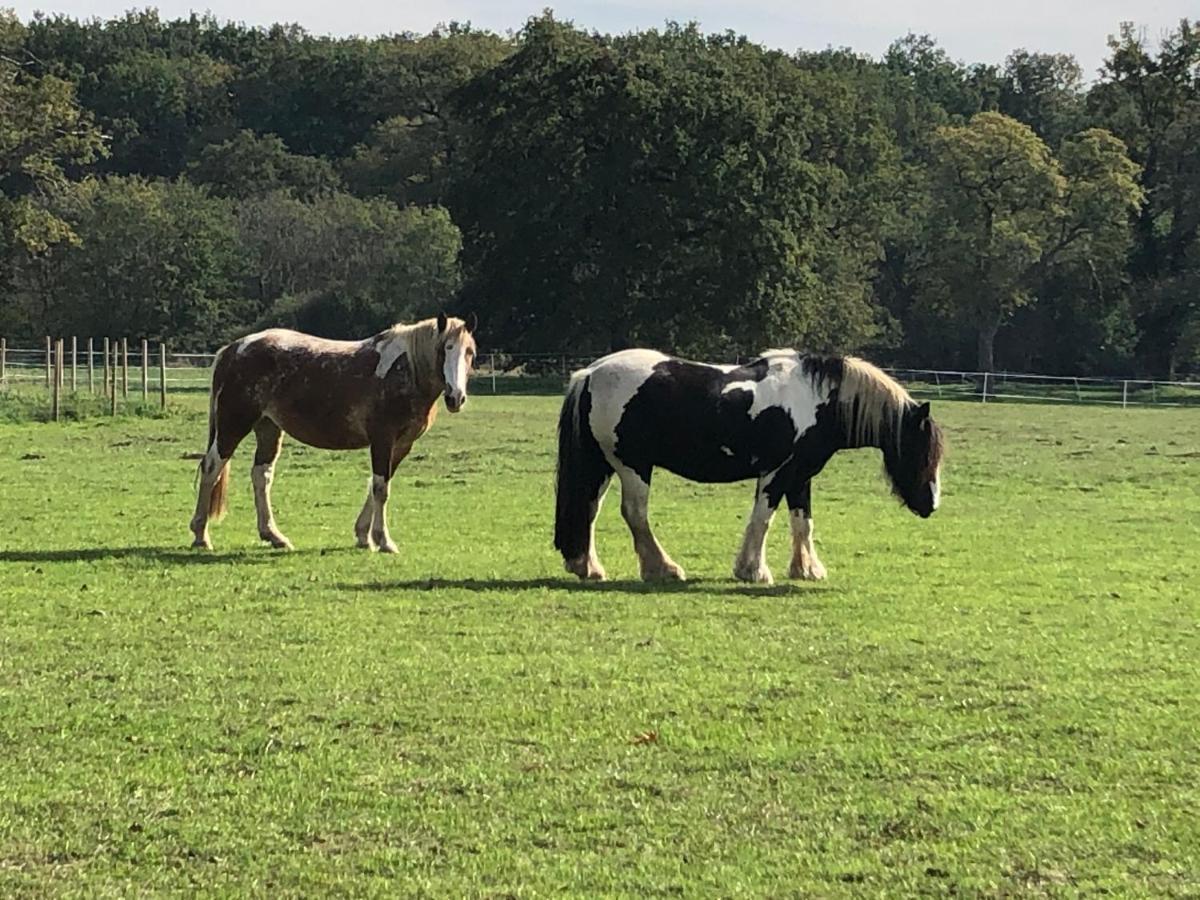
x: 455, y: 401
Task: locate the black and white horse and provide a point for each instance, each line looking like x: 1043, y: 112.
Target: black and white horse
x: 778, y: 419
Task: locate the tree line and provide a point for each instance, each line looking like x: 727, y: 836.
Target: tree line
x: 190, y: 179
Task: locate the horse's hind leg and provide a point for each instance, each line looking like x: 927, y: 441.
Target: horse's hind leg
x: 804, y: 553
x: 229, y: 422
x: 210, y: 495
x: 635, y: 498
x: 262, y: 474
x: 587, y: 565
x: 751, y: 562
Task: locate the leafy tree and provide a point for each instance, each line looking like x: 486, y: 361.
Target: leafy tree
x: 42, y: 133
x: 667, y: 188
x: 341, y: 266
x: 1045, y: 91
x: 1153, y: 103
x: 408, y: 156
x: 248, y: 165
x: 153, y: 258
x: 1006, y: 214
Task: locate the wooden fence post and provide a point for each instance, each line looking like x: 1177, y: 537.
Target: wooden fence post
x: 58, y: 366
x: 145, y: 370
x: 116, y: 353
x: 106, y: 356
x: 3, y: 360
x: 74, y: 363
x: 125, y: 368
x: 985, y: 386
x: 162, y: 374
x: 49, y: 365
x: 1124, y: 394
x: 91, y: 369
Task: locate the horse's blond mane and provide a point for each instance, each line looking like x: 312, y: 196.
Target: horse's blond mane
x: 421, y: 340
x: 871, y: 403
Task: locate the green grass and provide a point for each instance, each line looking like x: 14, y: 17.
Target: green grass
x: 1001, y: 700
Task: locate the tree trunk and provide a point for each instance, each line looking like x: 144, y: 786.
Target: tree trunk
x: 986, y: 343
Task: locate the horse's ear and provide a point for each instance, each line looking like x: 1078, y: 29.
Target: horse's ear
x: 472, y: 322
x: 923, y: 411
x: 441, y: 323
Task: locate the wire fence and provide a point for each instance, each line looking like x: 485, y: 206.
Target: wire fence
x: 136, y: 369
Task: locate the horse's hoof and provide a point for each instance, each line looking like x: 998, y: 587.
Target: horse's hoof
x: 388, y: 547
x: 585, y: 569
x: 810, y: 572
x: 201, y: 544
x: 363, y: 542
x: 754, y: 576
x: 670, y: 572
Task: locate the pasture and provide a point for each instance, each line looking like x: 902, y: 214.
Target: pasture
x: 1000, y: 700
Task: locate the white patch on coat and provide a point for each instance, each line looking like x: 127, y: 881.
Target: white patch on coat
x: 251, y: 338
x: 615, y: 379
x: 937, y: 488
x: 785, y: 386
x: 389, y: 349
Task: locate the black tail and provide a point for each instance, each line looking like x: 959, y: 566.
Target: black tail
x: 582, y: 471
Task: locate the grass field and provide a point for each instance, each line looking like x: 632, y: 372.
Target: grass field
x: 1001, y: 700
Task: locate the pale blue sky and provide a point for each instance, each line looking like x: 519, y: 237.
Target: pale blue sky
x: 975, y: 31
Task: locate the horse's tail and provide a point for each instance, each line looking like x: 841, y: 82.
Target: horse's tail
x: 582, y: 470
x: 217, y: 498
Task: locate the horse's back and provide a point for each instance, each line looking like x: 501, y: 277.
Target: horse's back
x: 703, y: 421
x: 320, y: 391
x: 285, y: 341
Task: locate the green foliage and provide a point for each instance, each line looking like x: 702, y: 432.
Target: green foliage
x: 668, y: 188
x: 160, y: 260
x: 1153, y: 103
x: 42, y: 131
x: 248, y: 165
x: 344, y: 267
x: 1006, y: 214
x: 699, y: 193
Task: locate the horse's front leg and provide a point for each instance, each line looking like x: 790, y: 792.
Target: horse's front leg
x: 804, y: 553
x: 751, y: 562
x: 371, y: 526
x: 362, y: 525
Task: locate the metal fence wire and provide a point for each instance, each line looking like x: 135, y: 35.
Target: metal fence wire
x: 148, y: 370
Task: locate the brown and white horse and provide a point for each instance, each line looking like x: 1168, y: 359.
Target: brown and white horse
x: 380, y: 392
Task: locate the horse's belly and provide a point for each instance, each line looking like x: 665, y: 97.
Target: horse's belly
x: 709, y: 468
x: 332, y: 431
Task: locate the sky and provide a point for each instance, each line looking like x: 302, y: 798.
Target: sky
x: 979, y: 31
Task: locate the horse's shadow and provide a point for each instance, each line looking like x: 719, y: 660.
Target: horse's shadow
x: 136, y: 554
x: 573, y: 585
x: 261, y: 556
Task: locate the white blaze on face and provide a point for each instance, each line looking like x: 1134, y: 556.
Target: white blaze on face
x: 936, y: 487
x: 455, y: 372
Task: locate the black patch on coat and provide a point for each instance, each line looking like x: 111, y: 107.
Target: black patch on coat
x: 682, y: 419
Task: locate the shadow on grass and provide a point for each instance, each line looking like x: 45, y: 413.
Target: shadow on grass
x: 573, y: 585
x: 138, y: 554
